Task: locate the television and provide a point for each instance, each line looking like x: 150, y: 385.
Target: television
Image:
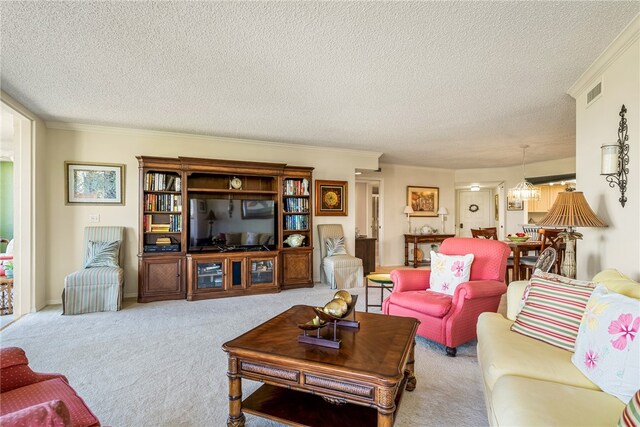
x: 221, y: 224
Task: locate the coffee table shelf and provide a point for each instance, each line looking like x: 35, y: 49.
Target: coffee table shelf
x: 301, y: 409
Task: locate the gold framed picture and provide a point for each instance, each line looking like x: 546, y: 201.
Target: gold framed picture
x: 423, y: 200
x: 331, y: 198
x: 94, y: 183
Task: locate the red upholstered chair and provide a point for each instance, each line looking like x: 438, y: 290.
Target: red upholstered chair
x: 30, y: 398
x: 451, y: 320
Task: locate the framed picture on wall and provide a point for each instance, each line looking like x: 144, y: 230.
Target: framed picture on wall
x: 514, y: 204
x: 496, y: 207
x: 423, y: 200
x: 331, y: 198
x: 94, y: 183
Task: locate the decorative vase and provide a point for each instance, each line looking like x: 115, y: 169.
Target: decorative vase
x: 9, y: 274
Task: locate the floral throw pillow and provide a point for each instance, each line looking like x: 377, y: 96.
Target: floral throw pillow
x: 449, y: 271
x: 607, y: 348
x: 335, y: 246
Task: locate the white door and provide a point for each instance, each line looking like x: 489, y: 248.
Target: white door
x: 475, y: 210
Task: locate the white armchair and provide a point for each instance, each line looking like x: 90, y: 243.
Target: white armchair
x: 339, y: 269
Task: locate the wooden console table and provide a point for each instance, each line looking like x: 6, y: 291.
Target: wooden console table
x: 420, y: 238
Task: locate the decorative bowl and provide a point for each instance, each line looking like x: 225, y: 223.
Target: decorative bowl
x: 518, y: 239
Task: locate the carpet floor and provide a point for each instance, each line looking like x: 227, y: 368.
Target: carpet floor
x: 161, y: 364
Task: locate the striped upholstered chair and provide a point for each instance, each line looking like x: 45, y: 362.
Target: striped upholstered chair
x: 340, y: 269
x: 99, y: 285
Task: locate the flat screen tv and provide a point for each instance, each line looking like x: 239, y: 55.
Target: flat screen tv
x: 217, y: 224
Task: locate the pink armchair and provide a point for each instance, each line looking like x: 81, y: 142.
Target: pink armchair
x: 451, y: 320
x: 30, y: 398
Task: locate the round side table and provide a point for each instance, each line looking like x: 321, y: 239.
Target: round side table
x: 382, y: 281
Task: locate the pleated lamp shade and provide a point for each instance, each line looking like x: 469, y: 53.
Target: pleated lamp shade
x: 571, y: 210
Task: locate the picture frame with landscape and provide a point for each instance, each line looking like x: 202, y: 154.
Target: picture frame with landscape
x: 514, y: 204
x: 424, y: 201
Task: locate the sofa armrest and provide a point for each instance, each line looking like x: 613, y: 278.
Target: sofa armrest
x: 15, y: 371
x: 515, y: 293
x: 480, y: 289
x: 410, y: 280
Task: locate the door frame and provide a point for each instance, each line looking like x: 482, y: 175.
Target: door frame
x: 380, y: 183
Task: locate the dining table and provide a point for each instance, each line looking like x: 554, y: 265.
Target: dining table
x: 519, y: 248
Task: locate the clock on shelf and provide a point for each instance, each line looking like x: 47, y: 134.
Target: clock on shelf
x: 235, y: 183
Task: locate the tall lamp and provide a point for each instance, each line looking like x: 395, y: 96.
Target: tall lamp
x: 211, y: 218
x: 408, y: 210
x: 442, y: 212
x: 571, y: 210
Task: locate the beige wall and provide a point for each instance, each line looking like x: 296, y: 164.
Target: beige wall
x: 617, y: 246
x: 113, y: 145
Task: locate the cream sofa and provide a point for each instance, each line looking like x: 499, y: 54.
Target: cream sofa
x: 530, y: 383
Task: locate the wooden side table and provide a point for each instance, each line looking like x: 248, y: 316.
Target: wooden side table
x: 383, y: 282
x: 6, y: 295
x: 420, y: 238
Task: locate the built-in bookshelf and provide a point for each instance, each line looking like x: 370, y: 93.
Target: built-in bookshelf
x: 162, y: 218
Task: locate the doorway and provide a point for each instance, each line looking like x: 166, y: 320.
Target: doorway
x: 369, y: 212
x: 475, y: 210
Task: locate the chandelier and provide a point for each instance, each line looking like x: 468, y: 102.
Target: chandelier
x: 524, y: 190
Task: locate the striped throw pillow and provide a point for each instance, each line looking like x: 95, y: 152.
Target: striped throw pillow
x: 102, y: 254
x: 553, y: 311
x: 631, y: 414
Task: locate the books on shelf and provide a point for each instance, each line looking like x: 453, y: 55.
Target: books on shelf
x: 296, y: 187
x: 163, y: 202
x: 296, y: 222
x: 173, y: 226
x: 158, y: 181
x: 296, y: 204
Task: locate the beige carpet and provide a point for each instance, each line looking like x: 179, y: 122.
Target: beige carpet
x: 161, y: 364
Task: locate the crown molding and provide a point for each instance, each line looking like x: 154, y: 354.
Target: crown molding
x: 617, y: 47
x: 167, y: 134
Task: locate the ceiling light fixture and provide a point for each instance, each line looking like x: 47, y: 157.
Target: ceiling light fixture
x: 524, y: 190
x: 474, y: 187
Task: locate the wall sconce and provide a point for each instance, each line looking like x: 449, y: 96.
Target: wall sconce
x: 615, y: 159
x: 408, y: 210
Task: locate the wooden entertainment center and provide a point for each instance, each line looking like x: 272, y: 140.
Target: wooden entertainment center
x: 183, y: 254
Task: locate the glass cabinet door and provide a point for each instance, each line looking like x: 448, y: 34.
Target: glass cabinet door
x: 262, y: 272
x: 210, y: 275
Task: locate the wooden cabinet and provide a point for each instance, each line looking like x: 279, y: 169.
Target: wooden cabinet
x: 297, y: 268
x: 366, y: 251
x: 223, y: 275
x: 548, y: 194
x: 211, y: 228
x: 160, y: 278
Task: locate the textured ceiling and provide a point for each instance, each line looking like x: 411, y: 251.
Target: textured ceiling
x: 442, y: 84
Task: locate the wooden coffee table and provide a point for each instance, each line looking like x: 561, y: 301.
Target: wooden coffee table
x: 359, y: 384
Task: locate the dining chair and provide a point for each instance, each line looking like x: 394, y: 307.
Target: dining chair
x: 549, y: 237
x: 485, y: 233
x: 545, y: 263
x: 491, y: 233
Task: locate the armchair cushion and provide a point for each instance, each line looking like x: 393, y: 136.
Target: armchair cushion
x: 429, y: 302
x: 45, y: 391
x: 51, y: 414
x: 449, y: 271
x: 102, y: 254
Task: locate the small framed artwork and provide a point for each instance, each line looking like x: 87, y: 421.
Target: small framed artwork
x: 331, y: 198
x: 514, y: 204
x: 202, y: 206
x: 423, y: 200
x: 94, y: 183
x: 496, y: 207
